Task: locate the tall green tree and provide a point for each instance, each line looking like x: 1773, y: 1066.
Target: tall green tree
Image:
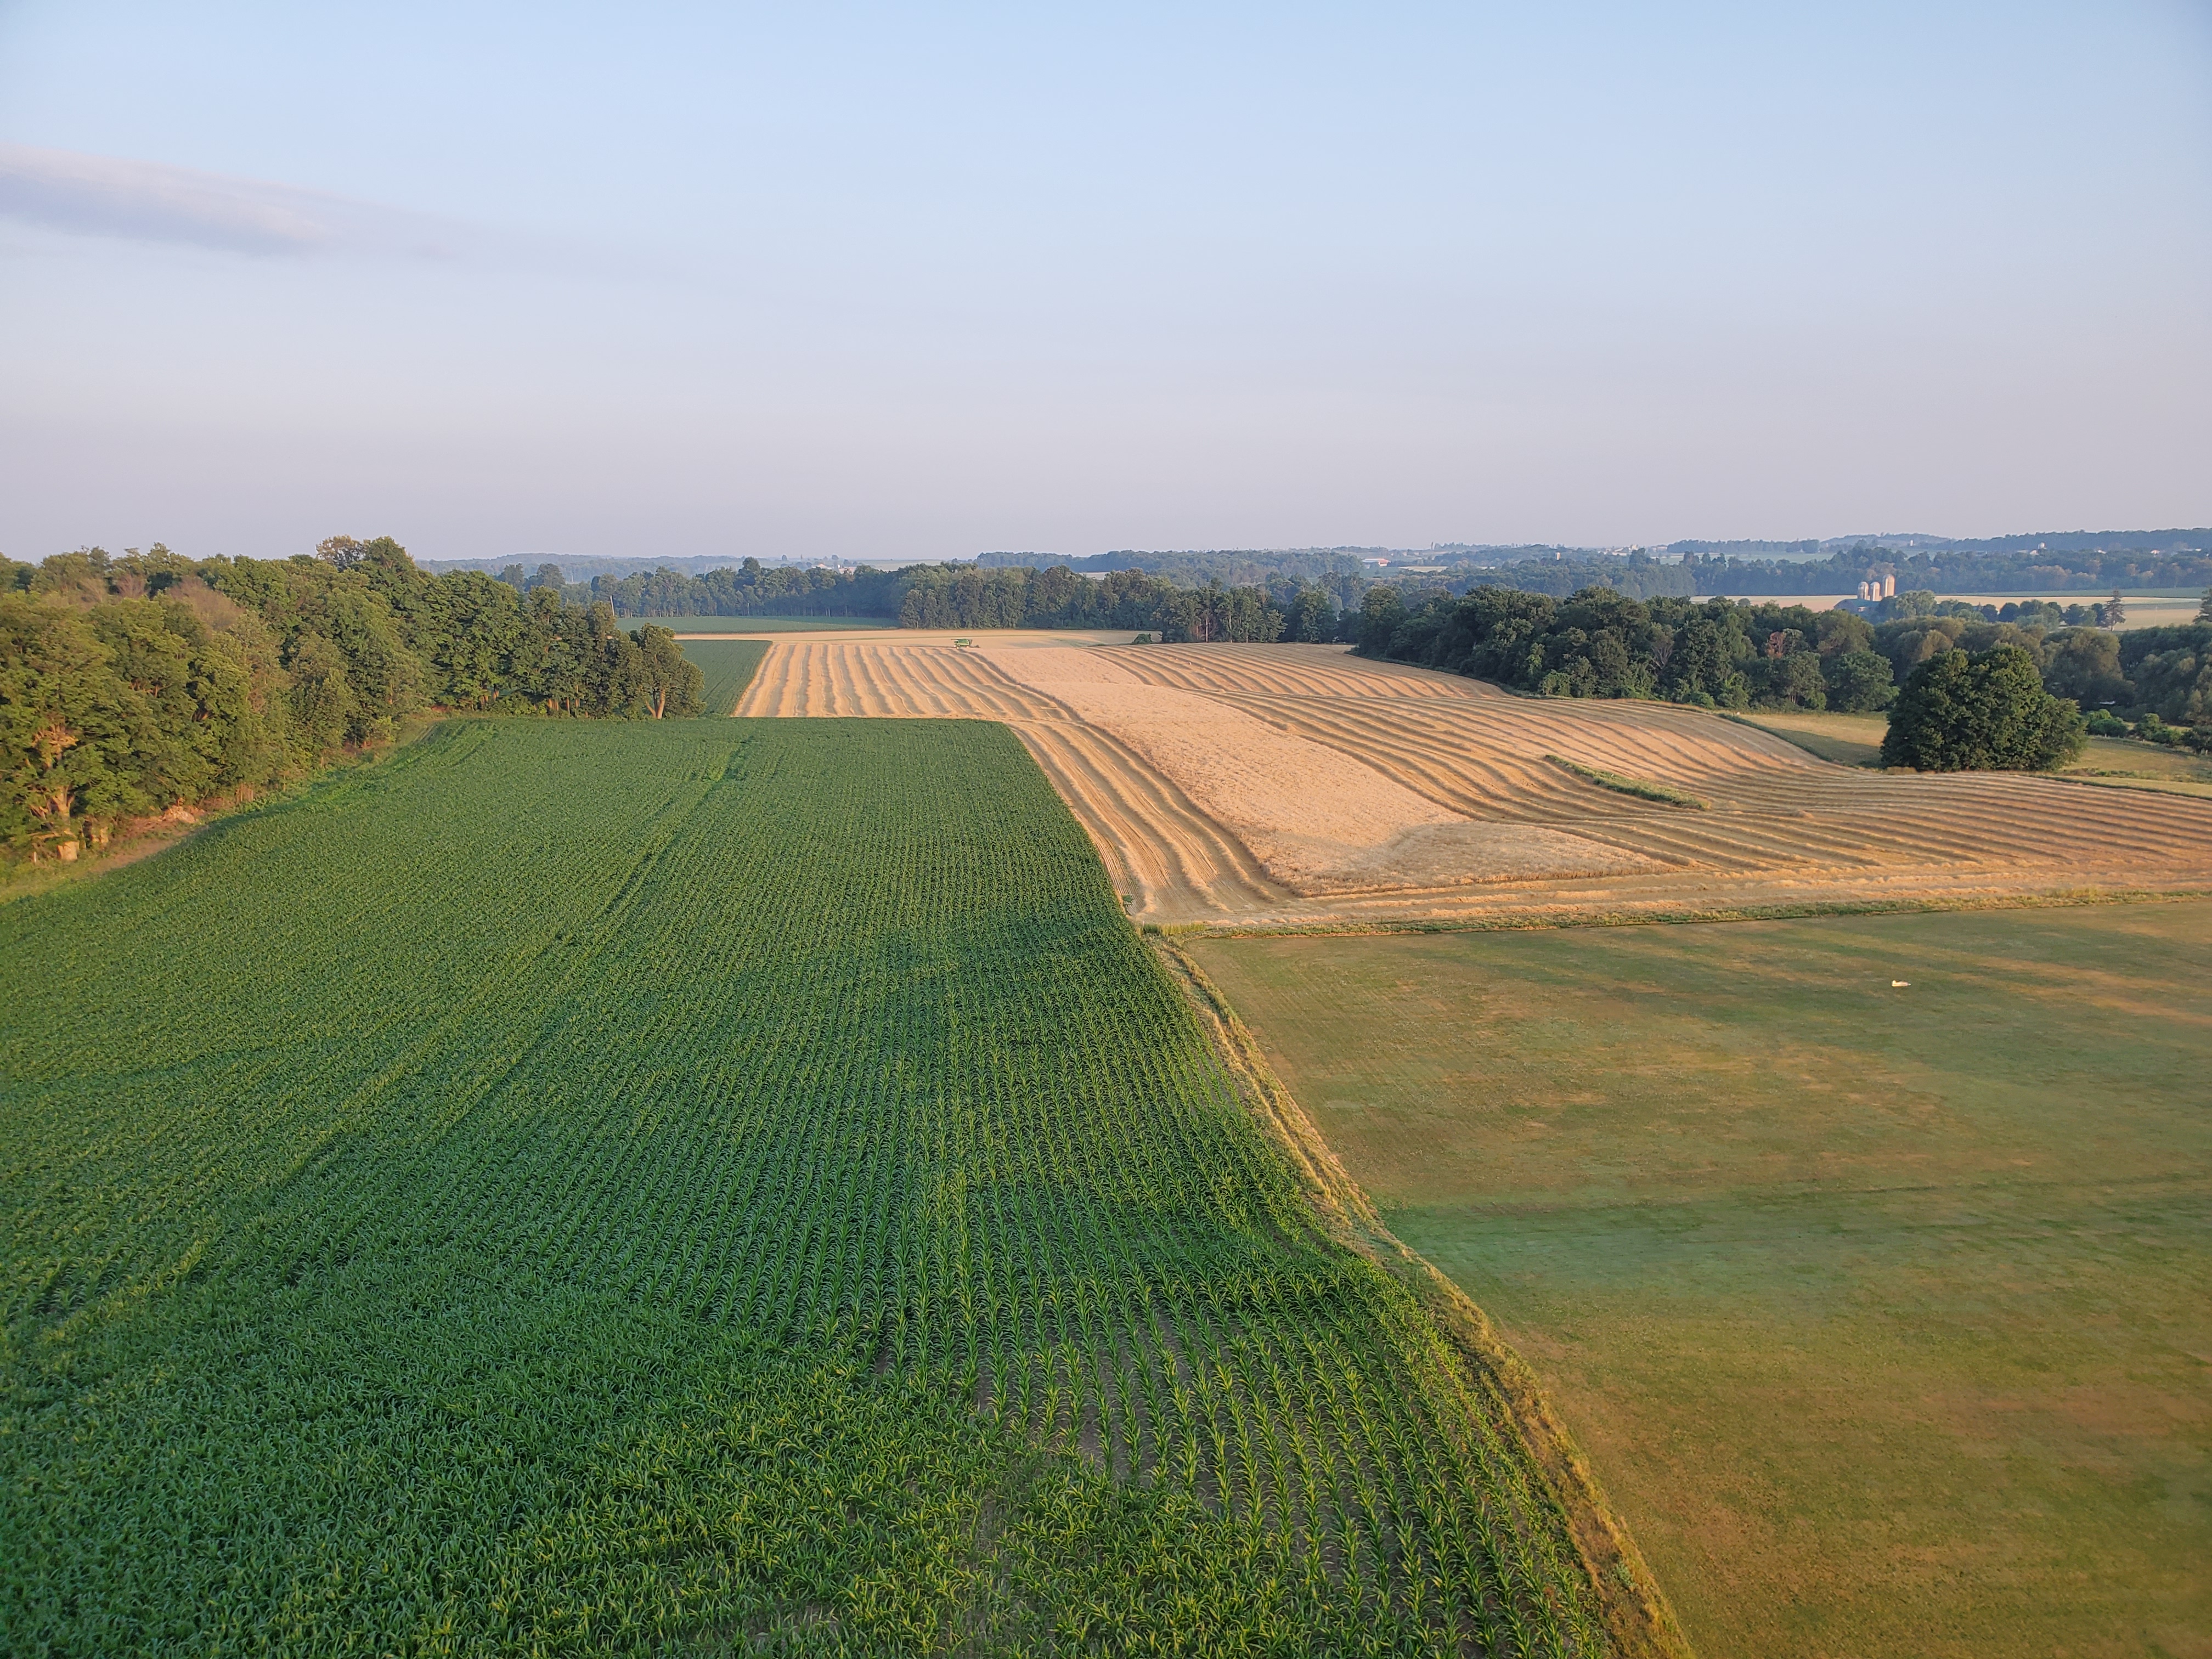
x: 66, y: 720
x: 1859, y: 681
x: 1313, y: 619
x: 2084, y: 663
x: 321, y: 701
x: 672, y: 683
x: 1985, y: 711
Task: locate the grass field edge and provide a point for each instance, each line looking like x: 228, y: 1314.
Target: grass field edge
x: 1638, y: 1620
x: 1796, y: 741
x: 155, y: 837
x: 722, y: 693
x: 1678, y: 915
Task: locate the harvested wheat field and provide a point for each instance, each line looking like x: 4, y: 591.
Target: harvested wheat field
x: 1251, y: 785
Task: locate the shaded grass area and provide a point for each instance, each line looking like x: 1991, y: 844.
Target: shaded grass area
x: 2126, y: 764
x: 729, y: 666
x: 1846, y: 740
x: 1883, y: 1312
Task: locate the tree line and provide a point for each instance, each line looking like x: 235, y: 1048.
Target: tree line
x: 2164, y: 672
x: 965, y: 595
x: 1601, y: 643
x: 1965, y: 688
x: 1683, y: 570
x: 751, y: 589
x: 150, y: 682
x: 1955, y: 570
x: 968, y: 596
x: 1336, y: 571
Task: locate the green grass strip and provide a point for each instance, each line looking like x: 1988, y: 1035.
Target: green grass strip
x: 1520, y: 921
x: 1636, y: 787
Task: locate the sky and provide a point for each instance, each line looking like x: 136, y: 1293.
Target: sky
x: 918, y: 282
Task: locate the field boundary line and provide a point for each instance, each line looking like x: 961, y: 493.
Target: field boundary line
x: 1782, y: 732
x: 1532, y: 921
x: 1637, y: 1616
x: 155, y: 836
x: 2142, y: 786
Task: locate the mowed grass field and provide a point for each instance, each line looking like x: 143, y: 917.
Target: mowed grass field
x: 1846, y: 740
x: 729, y: 666
x: 1883, y: 1312
x: 1855, y: 740
x: 694, y: 1187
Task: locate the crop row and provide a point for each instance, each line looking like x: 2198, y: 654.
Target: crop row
x: 729, y: 666
x: 568, y: 1188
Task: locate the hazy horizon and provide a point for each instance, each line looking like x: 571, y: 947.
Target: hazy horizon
x: 878, y: 286
x: 526, y: 556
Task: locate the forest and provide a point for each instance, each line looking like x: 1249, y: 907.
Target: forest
x: 1143, y: 585
x: 751, y: 589
x: 151, y: 683
x: 962, y: 596
x: 2164, y: 674
x: 1336, y: 571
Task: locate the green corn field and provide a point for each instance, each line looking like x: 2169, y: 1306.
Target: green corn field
x: 728, y: 665
x: 696, y: 1187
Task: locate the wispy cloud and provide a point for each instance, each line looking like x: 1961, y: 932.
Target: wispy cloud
x: 148, y: 201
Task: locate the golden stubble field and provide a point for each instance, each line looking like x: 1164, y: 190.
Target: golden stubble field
x: 1256, y: 786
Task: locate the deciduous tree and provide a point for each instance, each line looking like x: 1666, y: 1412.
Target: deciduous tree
x: 1981, y: 712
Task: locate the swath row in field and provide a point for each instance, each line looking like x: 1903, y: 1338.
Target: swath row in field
x: 1246, y: 783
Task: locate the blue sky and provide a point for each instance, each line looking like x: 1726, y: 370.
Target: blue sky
x: 920, y: 282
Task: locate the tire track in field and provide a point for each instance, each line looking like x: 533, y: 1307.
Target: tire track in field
x: 1144, y: 825
x: 1782, y: 825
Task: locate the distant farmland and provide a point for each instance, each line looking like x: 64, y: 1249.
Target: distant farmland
x: 633, y: 1187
